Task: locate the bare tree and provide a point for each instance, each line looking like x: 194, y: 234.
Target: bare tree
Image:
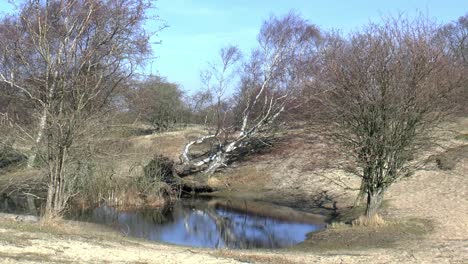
x: 66, y: 58
x: 455, y: 36
x: 217, y: 79
x: 200, y: 107
x: 388, y: 87
x: 267, y: 82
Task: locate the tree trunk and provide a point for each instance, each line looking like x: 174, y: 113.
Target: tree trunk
x: 374, y: 200
x: 40, y: 134
x: 56, y: 193
x: 55, y: 203
x: 49, y: 210
x: 219, y: 160
x: 362, y: 192
x: 31, y: 205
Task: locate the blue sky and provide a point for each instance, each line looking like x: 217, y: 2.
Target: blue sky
x: 199, y: 28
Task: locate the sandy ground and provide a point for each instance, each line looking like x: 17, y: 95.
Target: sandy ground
x: 43, y: 248
x: 438, y: 197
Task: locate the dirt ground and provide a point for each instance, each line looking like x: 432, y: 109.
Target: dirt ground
x: 427, y: 216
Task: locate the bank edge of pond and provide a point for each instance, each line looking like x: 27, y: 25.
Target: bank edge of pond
x: 337, y: 241
x: 337, y: 237
x: 342, y: 234
x: 53, y: 242
x: 340, y: 239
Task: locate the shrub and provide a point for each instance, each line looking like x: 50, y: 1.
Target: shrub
x: 160, y: 168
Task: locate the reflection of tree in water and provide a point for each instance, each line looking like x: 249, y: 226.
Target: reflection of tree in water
x: 207, y: 224
x: 139, y: 223
x: 158, y: 216
x: 236, y: 230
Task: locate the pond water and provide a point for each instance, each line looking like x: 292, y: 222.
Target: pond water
x: 213, y: 224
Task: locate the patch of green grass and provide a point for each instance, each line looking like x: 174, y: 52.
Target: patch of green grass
x: 462, y: 137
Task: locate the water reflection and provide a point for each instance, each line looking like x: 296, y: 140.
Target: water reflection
x: 208, y: 224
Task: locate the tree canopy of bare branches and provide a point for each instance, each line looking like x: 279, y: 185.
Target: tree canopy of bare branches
x: 387, y: 88
x: 157, y: 102
x: 66, y: 58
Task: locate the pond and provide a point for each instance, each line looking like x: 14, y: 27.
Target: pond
x: 213, y: 224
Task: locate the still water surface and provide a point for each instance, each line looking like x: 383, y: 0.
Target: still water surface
x: 210, y: 224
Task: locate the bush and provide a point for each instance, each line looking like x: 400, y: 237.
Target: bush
x: 160, y: 168
x: 99, y: 183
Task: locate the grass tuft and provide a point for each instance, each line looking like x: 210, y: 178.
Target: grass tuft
x: 373, y: 221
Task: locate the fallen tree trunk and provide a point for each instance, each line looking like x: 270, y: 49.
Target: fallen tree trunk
x: 269, y: 84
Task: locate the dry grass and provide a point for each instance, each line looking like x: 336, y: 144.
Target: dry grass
x: 375, y: 220
x: 19, y: 232
x: 119, y: 167
x: 362, y: 221
x: 169, y: 144
x: 246, y: 176
x: 448, y: 159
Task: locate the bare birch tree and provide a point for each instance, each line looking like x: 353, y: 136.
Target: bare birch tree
x: 66, y: 58
x: 267, y: 82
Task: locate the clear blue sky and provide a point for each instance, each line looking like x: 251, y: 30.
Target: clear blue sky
x: 199, y: 28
